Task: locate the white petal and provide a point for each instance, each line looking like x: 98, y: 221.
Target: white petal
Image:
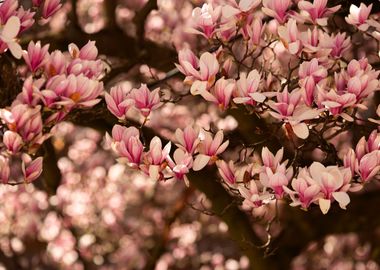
x: 324, y: 205
x: 11, y: 29
x: 258, y: 97
x: 301, y: 130
x: 342, y: 198
x: 154, y: 171
x: 200, y: 162
x: 15, y: 49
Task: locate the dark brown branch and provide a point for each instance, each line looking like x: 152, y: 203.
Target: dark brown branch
x: 140, y: 19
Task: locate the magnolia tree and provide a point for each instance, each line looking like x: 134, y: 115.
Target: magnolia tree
x: 187, y: 135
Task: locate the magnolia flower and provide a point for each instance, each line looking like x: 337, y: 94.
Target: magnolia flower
x: 188, y: 139
x: 305, y: 191
x: 203, y: 78
x: 30, y: 93
x: 289, y: 109
x: 227, y: 171
x: 24, y: 120
x: 127, y: 144
x: 145, y: 100
x: 338, y: 44
x: 243, y: 7
x: 365, y: 160
x: 271, y: 161
x: 12, y: 141
x: 277, y: 178
x: 221, y: 93
x: 317, y: 11
x: 310, y: 74
x: 87, y: 52
x: 246, y: 91
x: 181, y: 165
x: 55, y: 64
x: 334, y: 184
x: 334, y: 101
x: 255, y: 32
x: 117, y: 102
x: 205, y: 19
x: 31, y: 169
x: 8, y: 35
x: 36, y: 56
x: 276, y: 9
x: 75, y: 91
x: 209, y: 148
x: 289, y: 36
x: 50, y: 7
x: 358, y: 16
x: 156, y: 156
x: 254, y: 196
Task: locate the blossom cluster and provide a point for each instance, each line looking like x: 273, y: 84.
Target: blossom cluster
x: 254, y: 41
x: 14, y: 20
x: 196, y: 148
x: 56, y: 84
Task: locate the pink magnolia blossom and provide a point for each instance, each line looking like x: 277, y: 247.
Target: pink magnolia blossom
x: 369, y: 165
x: 154, y: 159
x: 31, y: 169
x: 221, y: 93
x: 181, y: 164
x: 241, y: 9
x: 273, y: 173
x: 305, y: 191
x: 87, y: 52
x: 254, y: 196
x: 333, y: 101
x: 188, y: 139
x: 276, y: 181
x: 310, y: 73
x: 56, y: 64
x: 289, y: 108
x: 227, y: 171
x: 117, y: 102
x: 50, y: 7
x: 26, y: 18
x: 36, y: 56
x: 187, y: 62
x: 247, y: 89
x: 7, y: 9
x: 365, y: 160
x: 145, y: 100
x: 128, y: 144
x: 203, y: 78
x: 289, y: 36
x: 209, y: 149
x: 30, y: 93
x: 334, y: 184
x: 270, y: 160
x: 255, y: 32
x: 78, y: 91
x: 276, y: 9
x: 310, y: 40
x: 206, y: 19
x: 12, y: 141
x: 24, y: 120
x: 358, y: 16
x: 317, y: 11
x: 338, y: 44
